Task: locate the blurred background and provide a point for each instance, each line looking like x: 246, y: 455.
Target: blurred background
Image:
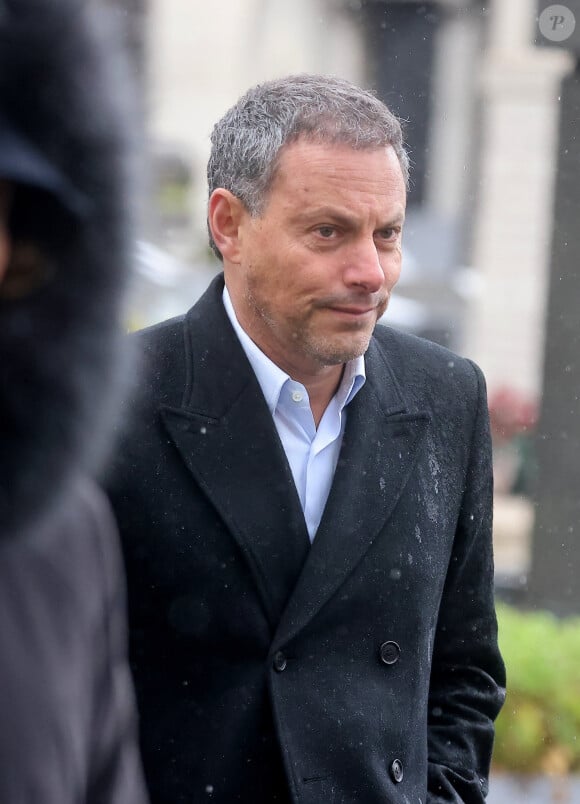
x: 491, y: 96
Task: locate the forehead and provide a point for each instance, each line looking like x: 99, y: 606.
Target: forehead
x: 310, y: 172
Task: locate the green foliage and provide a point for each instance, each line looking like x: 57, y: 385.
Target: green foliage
x: 538, y: 729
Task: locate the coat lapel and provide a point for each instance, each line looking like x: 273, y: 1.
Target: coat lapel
x: 227, y: 439
x: 380, y: 446
x: 225, y: 435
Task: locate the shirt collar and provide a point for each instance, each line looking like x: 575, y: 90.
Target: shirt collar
x: 271, y: 377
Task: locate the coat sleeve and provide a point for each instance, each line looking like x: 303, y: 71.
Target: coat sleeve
x: 467, y: 686
x: 115, y: 775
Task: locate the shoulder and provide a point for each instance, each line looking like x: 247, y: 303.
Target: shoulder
x: 164, y: 351
x: 428, y: 371
x: 94, y: 513
x: 83, y: 530
x: 158, y: 356
x: 63, y: 566
x: 160, y: 339
x: 420, y: 355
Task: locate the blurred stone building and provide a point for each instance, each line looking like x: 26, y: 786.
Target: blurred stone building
x: 482, y: 106
x: 519, y: 90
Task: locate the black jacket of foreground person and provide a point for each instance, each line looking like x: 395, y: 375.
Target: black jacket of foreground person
x: 67, y: 715
x: 364, y: 671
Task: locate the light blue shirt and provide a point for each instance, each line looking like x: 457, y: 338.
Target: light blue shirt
x: 312, y: 453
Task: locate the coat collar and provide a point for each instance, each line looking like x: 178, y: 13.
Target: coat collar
x: 226, y: 436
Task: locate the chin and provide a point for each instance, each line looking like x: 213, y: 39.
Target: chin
x: 333, y: 354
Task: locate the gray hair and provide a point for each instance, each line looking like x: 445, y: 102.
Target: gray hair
x: 247, y: 141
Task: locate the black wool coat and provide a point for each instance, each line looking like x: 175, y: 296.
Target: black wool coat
x: 363, y: 669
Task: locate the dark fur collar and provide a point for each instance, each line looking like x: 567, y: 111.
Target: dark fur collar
x: 60, y: 348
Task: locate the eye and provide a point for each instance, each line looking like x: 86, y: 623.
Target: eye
x: 388, y: 234
x: 326, y: 231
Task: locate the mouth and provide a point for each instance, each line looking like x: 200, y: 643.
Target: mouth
x: 353, y: 311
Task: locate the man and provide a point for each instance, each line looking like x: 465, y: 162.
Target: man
x: 305, y: 501
x: 67, y: 722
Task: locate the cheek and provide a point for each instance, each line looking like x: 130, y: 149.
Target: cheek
x: 391, y: 265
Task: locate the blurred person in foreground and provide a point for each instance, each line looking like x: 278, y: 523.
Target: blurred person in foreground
x: 67, y: 714
x: 305, y: 500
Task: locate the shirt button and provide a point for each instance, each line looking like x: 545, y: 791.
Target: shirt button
x: 396, y: 771
x: 279, y: 662
x: 389, y: 652
x: 296, y: 396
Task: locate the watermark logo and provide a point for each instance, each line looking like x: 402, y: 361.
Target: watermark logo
x: 557, y: 23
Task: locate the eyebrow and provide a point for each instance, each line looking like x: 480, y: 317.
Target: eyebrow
x: 343, y: 218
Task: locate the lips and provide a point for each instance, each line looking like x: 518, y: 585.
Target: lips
x: 353, y: 310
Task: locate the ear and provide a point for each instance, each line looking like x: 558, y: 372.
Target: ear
x: 225, y: 215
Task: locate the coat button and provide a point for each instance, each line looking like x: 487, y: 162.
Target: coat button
x: 389, y: 652
x: 396, y: 771
x: 279, y: 662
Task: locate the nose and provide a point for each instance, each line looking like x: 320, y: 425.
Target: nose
x: 363, y: 268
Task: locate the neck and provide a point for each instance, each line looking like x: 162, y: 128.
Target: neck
x: 321, y: 388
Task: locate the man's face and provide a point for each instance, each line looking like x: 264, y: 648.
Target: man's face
x: 316, y: 269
